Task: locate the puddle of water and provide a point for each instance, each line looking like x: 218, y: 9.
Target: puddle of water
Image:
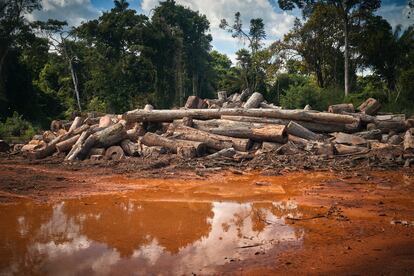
x: 108, y: 234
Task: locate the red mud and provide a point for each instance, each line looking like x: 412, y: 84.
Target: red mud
x: 94, y: 220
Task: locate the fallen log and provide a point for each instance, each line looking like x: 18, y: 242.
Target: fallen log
x: 300, y: 131
x: 269, y: 133
x: 77, y: 122
x: 214, y: 141
x: 344, y: 138
x: 186, y: 152
x: 245, y: 94
x: 114, y: 153
x: 297, y: 115
x: 148, y: 107
x: 298, y: 140
x: 340, y: 108
x: 254, y: 100
x: 317, y: 127
x: 344, y: 149
x: 48, y: 150
x: 130, y: 149
x: 194, y: 102
x: 409, y: 141
x: 152, y: 139
x: 230, y: 152
x: 370, y: 106
x: 374, y: 134
x: 78, y: 147
x: 222, y: 96
x: 67, y: 144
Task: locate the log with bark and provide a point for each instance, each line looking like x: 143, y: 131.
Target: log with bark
x: 345, y: 150
x: 344, y: 138
x: 268, y: 133
x: 148, y: 107
x: 316, y: 127
x: 194, y: 102
x: 77, y: 122
x: 66, y: 145
x: 374, y: 134
x: 370, y: 106
x: 230, y: 152
x: 254, y: 100
x: 186, y: 152
x: 213, y: 141
x: 222, y: 96
x: 340, y: 108
x: 152, y: 139
x: 130, y: 148
x: 409, y: 141
x: 300, y: 131
x: 114, y: 153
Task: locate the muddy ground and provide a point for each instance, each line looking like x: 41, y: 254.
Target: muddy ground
x: 268, y: 215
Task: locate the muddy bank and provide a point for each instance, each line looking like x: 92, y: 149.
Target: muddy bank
x: 212, y: 219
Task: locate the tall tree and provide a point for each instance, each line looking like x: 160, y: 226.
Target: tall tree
x: 347, y: 11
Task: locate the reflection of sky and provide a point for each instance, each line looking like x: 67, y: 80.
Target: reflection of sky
x: 60, y: 247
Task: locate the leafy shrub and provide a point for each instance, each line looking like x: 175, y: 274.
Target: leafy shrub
x: 16, y: 127
x: 298, y: 96
x: 98, y: 105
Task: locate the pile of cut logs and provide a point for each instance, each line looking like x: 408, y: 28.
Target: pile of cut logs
x: 242, y: 124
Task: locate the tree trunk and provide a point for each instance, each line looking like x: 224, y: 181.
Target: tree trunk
x: 131, y: 149
x: 300, y: 131
x: 340, y: 108
x: 66, y: 145
x: 212, y: 141
x: 194, y: 102
x: 370, y: 107
x: 269, y: 133
x: 152, y: 139
x: 317, y: 127
x: 344, y: 149
x: 254, y: 100
x: 114, y: 153
x: 374, y: 134
x: 346, y: 54
x: 409, y: 141
x: 77, y: 122
x: 222, y: 96
x: 344, y: 138
x: 78, y: 147
x: 230, y: 152
x: 299, y: 115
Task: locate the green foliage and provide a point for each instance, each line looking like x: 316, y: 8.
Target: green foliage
x: 298, y: 96
x: 16, y: 128
x: 98, y: 105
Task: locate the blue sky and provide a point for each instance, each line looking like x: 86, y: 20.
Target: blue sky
x: 277, y: 22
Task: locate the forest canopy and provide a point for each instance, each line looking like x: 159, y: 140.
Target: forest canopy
x: 123, y: 60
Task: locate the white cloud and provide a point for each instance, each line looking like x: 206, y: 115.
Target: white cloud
x: 71, y: 11
x: 276, y: 24
x: 396, y: 15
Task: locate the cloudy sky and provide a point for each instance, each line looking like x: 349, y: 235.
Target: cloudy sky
x: 277, y: 22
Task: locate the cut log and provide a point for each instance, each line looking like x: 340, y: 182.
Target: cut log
x: 78, y: 147
x: 130, y: 149
x: 80, y: 129
x: 270, y: 106
x: 92, y: 121
x: 213, y: 141
x: 391, y: 125
x: 194, y: 102
x: 317, y: 127
x: 344, y: 149
x: 254, y: 101
x: 409, y: 141
x: 370, y: 106
x: 245, y: 94
x: 344, y: 138
x: 268, y: 133
x: 134, y: 133
x: 299, y: 115
x: 103, y: 138
x: 307, y: 107
x: 230, y: 152
x: 114, y: 153
x: 105, y: 121
x: 148, y: 107
x: 235, y: 98
x: 374, y: 134
x: 186, y: 152
x: 319, y: 148
x: 146, y: 151
x: 300, y: 131
x: 340, y: 108
x: 66, y: 145
x: 298, y: 141
x: 48, y: 150
x: 77, y: 122
x: 269, y: 146
x: 152, y: 139
x: 222, y: 96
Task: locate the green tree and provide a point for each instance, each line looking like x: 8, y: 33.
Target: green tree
x: 347, y: 12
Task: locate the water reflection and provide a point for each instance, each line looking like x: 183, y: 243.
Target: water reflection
x: 103, y: 235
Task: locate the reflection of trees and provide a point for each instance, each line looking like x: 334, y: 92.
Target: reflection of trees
x: 107, y: 234
x: 127, y: 225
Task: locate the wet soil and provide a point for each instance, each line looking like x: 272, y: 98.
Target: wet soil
x: 159, y: 217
